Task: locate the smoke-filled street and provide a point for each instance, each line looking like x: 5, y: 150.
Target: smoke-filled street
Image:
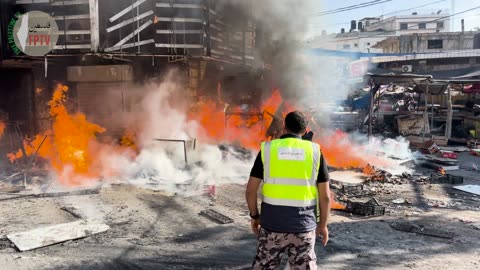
x: 231, y: 134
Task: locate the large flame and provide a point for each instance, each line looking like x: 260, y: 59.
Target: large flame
x: 75, y: 154
x: 246, y: 128
x: 341, y: 152
x: 70, y: 146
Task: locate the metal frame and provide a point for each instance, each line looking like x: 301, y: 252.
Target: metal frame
x: 126, y: 10
x: 129, y: 21
x: 184, y: 145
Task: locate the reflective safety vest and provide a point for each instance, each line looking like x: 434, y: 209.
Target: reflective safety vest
x: 290, y: 172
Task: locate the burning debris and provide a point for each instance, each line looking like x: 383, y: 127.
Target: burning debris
x: 70, y: 146
x: 2, y: 128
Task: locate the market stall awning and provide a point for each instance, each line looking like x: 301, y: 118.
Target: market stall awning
x: 433, y: 88
x: 383, y: 79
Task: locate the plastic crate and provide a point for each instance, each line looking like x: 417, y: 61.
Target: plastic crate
x: 365, y: 209
x: 352, y: 188
x: 446, y: 179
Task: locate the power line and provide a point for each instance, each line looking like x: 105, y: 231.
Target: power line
x: 332, y: 10
x: 396, y: 12
x: 391, y: 13
x: 348, y: 8
x: 353, y: 8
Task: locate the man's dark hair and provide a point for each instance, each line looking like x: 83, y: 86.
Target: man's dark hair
x: 296, y: 122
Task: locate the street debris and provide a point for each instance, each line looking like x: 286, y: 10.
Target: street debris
x: 420, y: 229
x: 216, y: 216
x: 72, y: 211
x: 401, y: 201
x: 473, y: 189
x: 439, y: 178
x: 55, y: 234
x: 55, y: 194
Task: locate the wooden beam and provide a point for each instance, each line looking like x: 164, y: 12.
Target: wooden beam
x: 55, y: 194
x: 59, y: 3
x: 179, y: 19
x: 94, y: 25
x: 168, y: 5
x: 72, y: 17
x: 73, y: 32
x: 73, y: 46
x: 180, y: 32
x: 176, y: 45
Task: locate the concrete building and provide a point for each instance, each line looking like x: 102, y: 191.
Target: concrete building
x: 106, y: 47
x: 351, y: 41
x: 369, y: 31
x: 409, y: 24
x: 430, y: 52
x: 428, y: 42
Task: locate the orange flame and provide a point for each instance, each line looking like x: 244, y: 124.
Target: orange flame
x: 368, y: 170
x: 2, y: 128
x: 220, y: 123
x: 71, y: 146
x: 341, y: 152
x: 334, y: 204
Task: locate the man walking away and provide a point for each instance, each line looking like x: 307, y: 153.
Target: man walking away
x: 295, y: 183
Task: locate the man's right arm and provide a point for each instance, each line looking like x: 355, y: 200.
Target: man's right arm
x: 324, y: 202
x: 325, y: 205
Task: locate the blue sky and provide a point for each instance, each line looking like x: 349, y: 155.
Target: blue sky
x: 333, y: 23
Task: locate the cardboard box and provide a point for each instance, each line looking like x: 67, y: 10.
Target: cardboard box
x: 429, y: 147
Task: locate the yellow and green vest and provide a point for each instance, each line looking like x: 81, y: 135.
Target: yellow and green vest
x: 290, y: 172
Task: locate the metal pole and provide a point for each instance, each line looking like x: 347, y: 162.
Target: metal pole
x: 425, y: 115
x: 185, y: 151
x: 370, y: 113
x: 449, y: 113
x: 431, y: 119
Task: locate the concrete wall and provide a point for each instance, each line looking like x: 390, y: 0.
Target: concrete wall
x: 360, y: 43
x: 451, y: 41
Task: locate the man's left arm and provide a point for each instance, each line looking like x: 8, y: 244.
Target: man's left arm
x: 251, y: 196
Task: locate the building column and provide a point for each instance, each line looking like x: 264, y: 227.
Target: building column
x: 94, y: 22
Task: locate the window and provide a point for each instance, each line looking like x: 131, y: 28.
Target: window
x: 403, y: 26
x: 422, y: 26
x: 439, y: 25
x: 435, y: 44
x: 346, y: 46
x: 355, y: 45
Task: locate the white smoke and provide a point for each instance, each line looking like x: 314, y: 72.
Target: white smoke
x: 161, y: 164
